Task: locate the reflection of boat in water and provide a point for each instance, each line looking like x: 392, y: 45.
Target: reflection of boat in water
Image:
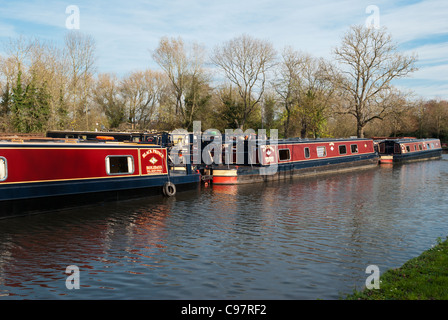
x: 224, y: 189
x: 49, y: 174
x: 408, y: 149
x: 289, y: 158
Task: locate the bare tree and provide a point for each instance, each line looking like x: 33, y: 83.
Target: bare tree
x: 304, y: 86
x: 80, y: 56
x: 246, y: 62
x: 435, y: 119
x: 8, y: 74
x: 16, y: 60
x: 141, y: 91
x: 183, y: 64
x: 316, y: 95
x: 287, y: 82
x: 107, y: 97
x: 40, y: 66
x: 18, y: 50
x: 370, y: 63
x: 170, y: 55
x: 47, y: 65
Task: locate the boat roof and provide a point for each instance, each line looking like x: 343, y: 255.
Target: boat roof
x: 63, y: 142
x: 409, y: 140
x: 307, y: 141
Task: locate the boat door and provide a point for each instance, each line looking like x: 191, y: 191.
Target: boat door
x: 390, y: 147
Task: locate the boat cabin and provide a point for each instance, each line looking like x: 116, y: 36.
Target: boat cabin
x: 398, y: 150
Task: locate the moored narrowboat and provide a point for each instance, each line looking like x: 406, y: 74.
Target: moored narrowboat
x: 40, y: 174
x: 408, y: 149
x: 284, y: 159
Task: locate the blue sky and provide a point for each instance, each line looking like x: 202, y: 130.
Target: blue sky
x: 127, y: 31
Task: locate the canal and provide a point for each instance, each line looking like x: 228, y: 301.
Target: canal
x: 310, y: 238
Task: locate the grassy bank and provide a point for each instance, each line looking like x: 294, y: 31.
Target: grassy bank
x: 421, y: 278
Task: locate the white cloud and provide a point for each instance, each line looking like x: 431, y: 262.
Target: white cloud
x: 432, y: 53
x: 417, y: 21
x: 433, y: 73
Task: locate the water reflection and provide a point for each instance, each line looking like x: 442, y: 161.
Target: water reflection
x: 300, y: 239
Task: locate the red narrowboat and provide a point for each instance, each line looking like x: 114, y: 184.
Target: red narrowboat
x: 289, y: 158
x: 408, y: 149
x: 49, y: 174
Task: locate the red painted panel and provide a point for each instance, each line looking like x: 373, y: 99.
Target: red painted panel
x: 154, y: 161
x: 331, y: 149
x: 43, y: 164
x: 435, y: 145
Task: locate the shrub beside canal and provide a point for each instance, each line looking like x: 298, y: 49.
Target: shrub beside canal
x: 421, y: 278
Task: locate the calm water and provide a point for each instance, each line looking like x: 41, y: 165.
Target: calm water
x: 301, y: 239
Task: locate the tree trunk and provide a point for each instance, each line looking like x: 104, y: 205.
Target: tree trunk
x: 360, y: 131
x: 286, y: 129
x: 303, y: 130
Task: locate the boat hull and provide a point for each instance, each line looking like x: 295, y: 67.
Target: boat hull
x: 411, y: 157
x: 42, y: 177
x: 24, y: 199
x: 246, y: 174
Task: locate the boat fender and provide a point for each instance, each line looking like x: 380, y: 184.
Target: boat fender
x: 169, y: 189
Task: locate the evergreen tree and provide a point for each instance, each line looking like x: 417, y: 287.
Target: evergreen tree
x: 30, y: 108
x: 62, y: 118
x: 39, y: 104
x: 232, y: 111
x: 5, y: 101
x: 17, y: 104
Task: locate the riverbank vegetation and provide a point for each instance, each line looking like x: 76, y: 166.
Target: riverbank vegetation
x: 241, y: 83
x: 422, y: 278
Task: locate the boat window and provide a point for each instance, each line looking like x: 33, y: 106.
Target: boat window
x: 307, y: 152
x: 420, y: 147
x: 354, y: 148
x: 382, y: 148
x: 321, y: 152
x: 342, y: 149
x: 415, y: 147
x: 432, y: 145
x: 427, y: 145
x: 119, y: 165
x: 283, y: 154
x: 408, y: 149
x: 3, y: 169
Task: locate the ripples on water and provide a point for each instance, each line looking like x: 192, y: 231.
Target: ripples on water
x: 310, y: 238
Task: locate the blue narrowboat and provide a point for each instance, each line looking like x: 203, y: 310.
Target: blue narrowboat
x: 408, y: 149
